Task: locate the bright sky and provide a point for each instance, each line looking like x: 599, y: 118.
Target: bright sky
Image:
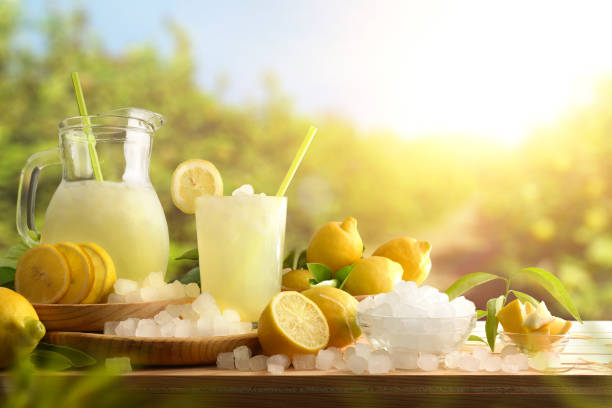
x: 496, y: 69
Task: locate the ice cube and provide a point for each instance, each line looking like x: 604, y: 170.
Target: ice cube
x: 338, y: 363
x: 242, y: 353
x: 133, y: 296
x: 325, y: 359
x: 165, y: 292
x: 109, y: 327
x: 162, y: 317
x: 451, y: 360
x: 404, y: 360
x: 154, y: 280
x: 522, y: 361
x: 348, y: 352
x: 192, y: 290
x: 147, y: 328
x: 220, y: 326
x: 275, y: 368
x: 115, y: 298
x: 366, y: 304
x: 356, y: 364
x: 204, y: 304
x: 225, y: 361
x: 178, y: 290
x: 258, y: 363
x: 468, y: 362
x: 127, y: 327
x: 509, y: 349
x: 125, y: 286
x: 231, y: 316
x: 245, y: 189
x: 174, y: 310
x: 187, y: 312
x: 150, y: 294
x: 379, y: 362
x: 204, y: 327
x: 363, y: 350
x: 243, y: 364
x: 118, y: 364
x: 280, y: 359
x: 428, y: 362
x: 481, y: 354
x: 184, y: 328
x: 168, y: 329
x: 304, y: 361
x: 492, y: 363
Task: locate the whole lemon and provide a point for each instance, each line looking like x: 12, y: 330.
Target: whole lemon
x: 336, y: 244
x: 413, y: 255
x: 20, y: 328
x: 373, y: 275
x: 297, y: 280
x: 340, y: 310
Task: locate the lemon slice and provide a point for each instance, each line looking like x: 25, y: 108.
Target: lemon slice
x: 192, y: 179
x: 42, y: 275
x: 101, y: 259
x: 99, y: 271
x: 292, y: 324
x: 81, y: 273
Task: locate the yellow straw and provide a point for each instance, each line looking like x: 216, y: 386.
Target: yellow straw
x: 91, y: 140
x: 296, y: 161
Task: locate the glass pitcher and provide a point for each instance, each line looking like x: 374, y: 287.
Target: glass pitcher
x: 121, y: 212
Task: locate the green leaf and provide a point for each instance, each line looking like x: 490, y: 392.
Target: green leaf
x: 523, y: 297
x: 7, y: 275
x: 343, y: 273
x: 301, y: 261
x: 313, y: 282
x: 480, y: 313
x: 191, y: 255
x: 50, y: 360
x: 193, y: 275
x: 493, y: 305
x: 12, y: 255
x: 476, y: 338
x: 289, y: 260
x: 331, y: 282
x: 319, y: 271
x: 77, y: 357
x: 467, y: 282
x: 554, y: 286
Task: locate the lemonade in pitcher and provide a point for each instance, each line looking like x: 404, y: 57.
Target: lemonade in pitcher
x: 117, y: 207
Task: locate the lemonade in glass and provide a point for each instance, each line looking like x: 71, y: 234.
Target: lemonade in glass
x: 240, y: 245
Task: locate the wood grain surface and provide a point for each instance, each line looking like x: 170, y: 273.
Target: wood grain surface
x: 86, y: 318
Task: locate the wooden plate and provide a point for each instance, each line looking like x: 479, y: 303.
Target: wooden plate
x: 156, y: 350
x: 93, y: 317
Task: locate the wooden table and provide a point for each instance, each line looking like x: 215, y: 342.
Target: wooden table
x: 586, y: 382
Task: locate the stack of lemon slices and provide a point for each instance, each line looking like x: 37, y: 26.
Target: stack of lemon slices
x: 65, y: 273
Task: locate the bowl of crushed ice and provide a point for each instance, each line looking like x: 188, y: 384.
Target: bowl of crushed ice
x: 416, y: 319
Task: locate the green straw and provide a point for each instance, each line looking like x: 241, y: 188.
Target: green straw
x: 296, y: 161
x: 91, y: 140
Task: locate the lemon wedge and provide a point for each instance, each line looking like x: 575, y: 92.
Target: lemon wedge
x: 42, y: 274
x: 81, y: 273
x: 192, y: 179
x: 292, y: 324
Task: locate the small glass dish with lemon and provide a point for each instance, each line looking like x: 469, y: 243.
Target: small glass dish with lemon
x: 535, y: 342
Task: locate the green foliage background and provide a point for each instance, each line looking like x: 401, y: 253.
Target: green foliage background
x: 484, y: 207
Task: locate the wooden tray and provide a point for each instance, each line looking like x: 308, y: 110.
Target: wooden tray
x: 156, y: 350
x: 78, y: 317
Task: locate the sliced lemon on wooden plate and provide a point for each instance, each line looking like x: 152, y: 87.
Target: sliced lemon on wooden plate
x: 292, y: 324
x: 42, y: 274
x: 101, y: 261
x: 192, y: 179
x: 81, y: 272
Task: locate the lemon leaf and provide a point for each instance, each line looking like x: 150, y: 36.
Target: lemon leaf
x: 313, y: 282
x: 12, y: 255
x: 301, y: 261
x: 469, y: 281
x: 319, y: 271
x: 554, y: 286
x: 480, y: 313
x: 7, y: 275
x: 193, y: 275
x: 476, y: 338
x: 523, y: 297
x: 50, y: 360
x: 289, y: 260
x: 343, y: 273
x: 493, y: 305
x: 191, y: 255
x: 77, y: 357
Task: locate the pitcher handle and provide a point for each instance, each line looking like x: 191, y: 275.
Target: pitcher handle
x: 26, y: 195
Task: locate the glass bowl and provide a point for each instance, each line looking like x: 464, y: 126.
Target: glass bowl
x: 534, y: 342
x: 435, y: 335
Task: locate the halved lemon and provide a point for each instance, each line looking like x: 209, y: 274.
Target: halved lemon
x: 81, y: 273
x: 101, y: 259
x: 292, y: 324
x: 192, y: 179
x: 42, y: 274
